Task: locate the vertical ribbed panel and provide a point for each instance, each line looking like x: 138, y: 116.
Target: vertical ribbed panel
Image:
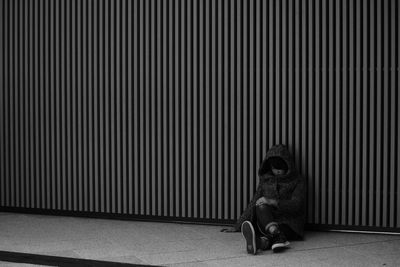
x: 165, y: 108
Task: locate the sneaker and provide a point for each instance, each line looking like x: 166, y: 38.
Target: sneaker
x: 279, y: 242
x: 250, y: 236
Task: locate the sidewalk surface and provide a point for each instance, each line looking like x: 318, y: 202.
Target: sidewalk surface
x: 171, y: 244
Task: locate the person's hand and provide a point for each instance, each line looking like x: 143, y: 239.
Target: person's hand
x: 229, y: 230
x: 268, y: 201
x: 261, y: 200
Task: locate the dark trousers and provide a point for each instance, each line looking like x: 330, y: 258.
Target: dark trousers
x: 265, y: 215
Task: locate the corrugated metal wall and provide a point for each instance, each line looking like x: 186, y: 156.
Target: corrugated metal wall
x: 165, y: 108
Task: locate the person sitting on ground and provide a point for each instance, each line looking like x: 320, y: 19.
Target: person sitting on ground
x: 276, y: 213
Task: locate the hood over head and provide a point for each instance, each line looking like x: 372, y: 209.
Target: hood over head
x: 279, y: 156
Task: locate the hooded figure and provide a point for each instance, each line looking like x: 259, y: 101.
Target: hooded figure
x: 282, y: 194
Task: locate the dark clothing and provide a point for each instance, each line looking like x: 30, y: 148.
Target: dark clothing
x: 265, y: 215
x: 287, y: 189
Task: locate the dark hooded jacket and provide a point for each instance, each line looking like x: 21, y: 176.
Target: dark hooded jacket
x: 287, y: 189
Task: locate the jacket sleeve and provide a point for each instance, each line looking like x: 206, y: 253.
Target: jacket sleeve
x: 294, y: 205
x: 247, y: 213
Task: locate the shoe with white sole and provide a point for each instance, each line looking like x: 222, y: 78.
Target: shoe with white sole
x: 250, y: 237
x: 279, y: 242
